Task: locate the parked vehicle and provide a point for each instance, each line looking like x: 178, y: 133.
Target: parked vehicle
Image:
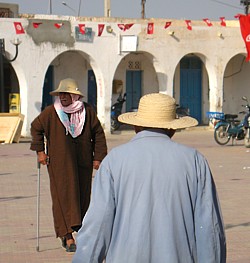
x: 116, y: 110
x: 246, y: 124
x: 227, y: 126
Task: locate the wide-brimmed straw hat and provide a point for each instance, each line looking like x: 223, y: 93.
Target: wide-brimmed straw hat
x: 157, y: 110
x: 68, y: 86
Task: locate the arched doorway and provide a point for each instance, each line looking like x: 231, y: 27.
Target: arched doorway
x: 70, y: 64
x: 236, y: 84
x: 135, y: 76
x: 191, y: 85
x: 11, y: 91
x: 48, y: 86
x: 92, y: 89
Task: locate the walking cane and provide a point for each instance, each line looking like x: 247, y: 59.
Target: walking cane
x: 38, y: 203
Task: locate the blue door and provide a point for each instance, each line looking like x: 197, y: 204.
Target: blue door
x: 48, y: 86
x: 92, y: 89
x: 133, y: 89
x: 191, y: 86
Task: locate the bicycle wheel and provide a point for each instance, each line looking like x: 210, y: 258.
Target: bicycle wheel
x: 221, y: 136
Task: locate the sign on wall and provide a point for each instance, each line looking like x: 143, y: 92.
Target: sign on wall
x: 86, y: 37
x: 128, y: 43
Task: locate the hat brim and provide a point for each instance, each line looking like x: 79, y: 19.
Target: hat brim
x: 57, y: 91
x: 131, y: 118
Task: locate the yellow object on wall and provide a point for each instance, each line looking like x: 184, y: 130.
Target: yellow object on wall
x: 14, y: 103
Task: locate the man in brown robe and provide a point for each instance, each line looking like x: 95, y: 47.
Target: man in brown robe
x: 70, y: 158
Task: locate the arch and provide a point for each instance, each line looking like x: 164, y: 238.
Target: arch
x: 236, y: 80
x: 191, y: 85
x: 16, y: 83
x: 136, y: 75
x: 10, y: 87
x: 74, y: 64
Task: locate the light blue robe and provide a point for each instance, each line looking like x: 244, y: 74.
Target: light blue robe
x: 153, y: 201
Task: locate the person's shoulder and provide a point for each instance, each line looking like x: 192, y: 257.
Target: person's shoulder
x: 188, y: 150
x: 88, y: 106
x: 121, y: 149
x: 48, y: 109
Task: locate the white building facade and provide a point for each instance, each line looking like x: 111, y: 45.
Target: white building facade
x: 205, y: 68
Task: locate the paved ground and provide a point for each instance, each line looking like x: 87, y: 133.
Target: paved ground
x: 18, y: 196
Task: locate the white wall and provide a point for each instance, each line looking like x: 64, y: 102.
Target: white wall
x: 159, y: 55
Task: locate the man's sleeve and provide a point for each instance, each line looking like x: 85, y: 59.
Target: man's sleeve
x: 93, y: 239
x: 209, y: 228
x: 98, y: 136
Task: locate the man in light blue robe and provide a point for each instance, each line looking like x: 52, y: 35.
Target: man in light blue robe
x: 153, y: 200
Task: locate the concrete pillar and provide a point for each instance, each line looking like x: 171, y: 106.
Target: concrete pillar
x: 107, y: 9
x: 216, y: 90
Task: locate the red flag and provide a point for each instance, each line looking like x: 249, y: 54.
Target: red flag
x: 150, y: 30
x: 128, y: 26
x: 19, y: 28
x: 58, y: 25
x: 121, y: 26
x: 82, y: 28
x: 238, y: 15
x: 223, y: 22
x: 125, y: 27
x: 100, y: 29
x: 189, y: 26
x: 245, y: 32
x: 168, y: 24
x: 208, y: 22
x: 36, y: 25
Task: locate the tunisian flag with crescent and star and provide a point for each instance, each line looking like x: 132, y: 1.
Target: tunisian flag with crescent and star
x: 100, y: 29
x: 150, y: 30
x: 245, y: 32
x: 19, y: 28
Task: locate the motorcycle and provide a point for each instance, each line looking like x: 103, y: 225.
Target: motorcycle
x: 182, y: 111
x: 116, y: 110
x: 226, y: 126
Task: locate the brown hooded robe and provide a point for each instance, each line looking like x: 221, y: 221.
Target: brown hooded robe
x: 70, y: 164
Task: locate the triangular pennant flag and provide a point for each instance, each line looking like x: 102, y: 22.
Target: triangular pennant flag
x: 128, y: 26
x: 19, y: 28
x: 238, y: 15
x: 82, y: 28
x: 58, y: 25
x: 150, y: 29
x: 189, y: 26
x: 100, y: 29
x: 121, y: 26
x: 168, y: 24
x: 36, y: 25
x: 245, y: 32
x: 207, y: 21
x: 223, y: 22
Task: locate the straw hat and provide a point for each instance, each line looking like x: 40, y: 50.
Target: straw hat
x: 67, y: 85
x: 157, y: 110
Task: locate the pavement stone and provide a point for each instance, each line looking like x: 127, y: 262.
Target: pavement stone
x: 230, y: 166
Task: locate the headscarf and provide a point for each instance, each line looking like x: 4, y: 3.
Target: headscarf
x: 75, y: 124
